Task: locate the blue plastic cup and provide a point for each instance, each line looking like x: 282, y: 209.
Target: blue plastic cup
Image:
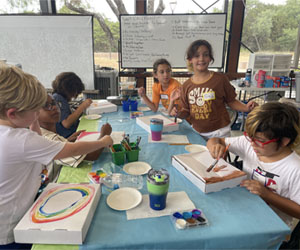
x: 125, y: 105
x: 134, y: 105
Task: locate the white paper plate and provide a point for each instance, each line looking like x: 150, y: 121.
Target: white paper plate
x: 124, y: 198
x: 143, y: 109
x: 137, y: 168
x: 179, y: 120
x: 93, y: 117
x: 195, y: 148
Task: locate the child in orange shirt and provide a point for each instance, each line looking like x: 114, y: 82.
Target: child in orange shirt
x: 162, y: 88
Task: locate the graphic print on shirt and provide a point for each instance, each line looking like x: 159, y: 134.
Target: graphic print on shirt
x: 201, y: 100
x: 265, y: 178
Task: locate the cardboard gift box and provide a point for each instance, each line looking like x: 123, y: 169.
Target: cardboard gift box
x: 169, y: 124
x: 61, y: 215
x: 193, y: 166
x: 101, y: 106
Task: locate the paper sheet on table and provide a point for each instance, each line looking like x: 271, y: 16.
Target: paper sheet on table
x: 170, y: 138
x: 176, y: 201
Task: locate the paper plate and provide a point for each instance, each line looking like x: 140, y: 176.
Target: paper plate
x: 124, y: 198
x: 195, y: 148
x: 93, y: 117
x: 179, y: 120
x: 143, y: 109
x: 137, y: 168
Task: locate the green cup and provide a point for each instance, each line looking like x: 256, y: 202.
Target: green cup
x: 158, y: 186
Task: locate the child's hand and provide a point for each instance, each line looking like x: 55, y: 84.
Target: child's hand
x: 217, y: 150
x: 85, y: 104
x: 141, y: 91
x: 74, y: 136
x: 255, y: 187
x: 174, y: 111
x: 251, y: 105
x: 105, y: 130
x: 175, y: 95
x: 107, y: 141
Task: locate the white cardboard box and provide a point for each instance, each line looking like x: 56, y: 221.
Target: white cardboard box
x: 169, y: 124
x: 101, y: 106
x: 193, y: 166
x: 70, y: 207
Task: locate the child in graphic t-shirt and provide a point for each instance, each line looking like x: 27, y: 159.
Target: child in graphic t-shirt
x: 204, y: 96
x: 267, y: 150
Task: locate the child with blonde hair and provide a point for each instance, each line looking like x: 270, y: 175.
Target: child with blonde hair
x: 23, y: 151
x: 267, y: 150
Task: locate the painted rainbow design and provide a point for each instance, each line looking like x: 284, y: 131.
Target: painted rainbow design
x: 38, y: 215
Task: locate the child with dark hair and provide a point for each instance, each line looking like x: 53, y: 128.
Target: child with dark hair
x: 68, y: 85
x: 205, y: 95
x: 162, y: 88
x: 267, y: 150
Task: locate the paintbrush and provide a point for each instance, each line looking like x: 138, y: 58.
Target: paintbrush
x: 176, y: 106
x: 216, y: 161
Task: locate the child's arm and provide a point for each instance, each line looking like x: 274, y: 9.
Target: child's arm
x: 216, y: 147
x: 105, y: 130
x: 285, y: 205
x: 149, y: 103
x: 175, y: 95
x: 74, y: 136
x: 72, y: 118
x: 83, y: 147
x: 239, y: 106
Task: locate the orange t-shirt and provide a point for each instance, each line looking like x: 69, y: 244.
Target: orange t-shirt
x: 158, y: 94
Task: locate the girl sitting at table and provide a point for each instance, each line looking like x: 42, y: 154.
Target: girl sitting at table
x: 204, y: 96
x: 49, y: 116
x: 68, y: 85
x: 162, y: 88
x: 271, y: 135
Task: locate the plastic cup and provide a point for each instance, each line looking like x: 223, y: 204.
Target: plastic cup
x: 158, y: 186
x: 134, y: 105
x: 125, y: 105
x: 156, y: 127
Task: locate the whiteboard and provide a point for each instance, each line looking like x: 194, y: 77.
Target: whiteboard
x: 48, y: 45
x: 145, y: 38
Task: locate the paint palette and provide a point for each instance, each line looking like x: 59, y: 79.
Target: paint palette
x: 188, y: 219
x: 95, y: 176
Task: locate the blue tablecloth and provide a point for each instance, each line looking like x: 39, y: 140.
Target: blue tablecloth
x: 237, y: 218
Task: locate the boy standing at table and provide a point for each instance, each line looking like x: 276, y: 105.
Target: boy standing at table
x: 273, y: 168
x: 23, y: 151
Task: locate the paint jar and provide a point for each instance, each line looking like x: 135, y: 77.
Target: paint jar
x: 158, y: 186
x: 188, y: 219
